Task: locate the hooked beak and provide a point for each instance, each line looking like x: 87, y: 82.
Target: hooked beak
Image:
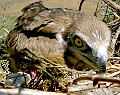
x: 101, y: 57
x: 102, y: 61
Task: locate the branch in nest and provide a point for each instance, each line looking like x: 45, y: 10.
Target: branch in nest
x: 81, y: 5
x: 114, y: 21
x: 40, y: 68
x: 113, y: 74
x: 85, y: 77
x: 114, y: 13
x: 96, y: 11
x: 112, y: 4
x: 96, y: 79
x: 51, y: 76
x: 5, y: 30
x: 113, y: 41
x: 114, y: 58
x: 1, y: 36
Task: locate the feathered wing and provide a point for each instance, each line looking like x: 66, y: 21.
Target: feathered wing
x: 38, y: 22
x: 36, y: 16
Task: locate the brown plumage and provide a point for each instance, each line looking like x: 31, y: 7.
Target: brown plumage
x: 62, y: 35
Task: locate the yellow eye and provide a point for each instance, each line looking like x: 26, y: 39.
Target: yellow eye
x: 78, y: 42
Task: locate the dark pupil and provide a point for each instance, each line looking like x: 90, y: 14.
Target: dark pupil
x: 78, y: 41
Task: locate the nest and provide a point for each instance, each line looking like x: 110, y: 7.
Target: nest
x: 50, y: 76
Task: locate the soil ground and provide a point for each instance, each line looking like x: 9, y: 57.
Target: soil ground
x: 13, y: 7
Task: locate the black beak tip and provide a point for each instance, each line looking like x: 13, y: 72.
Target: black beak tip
x: 103, y: 68
x: 102, y: 63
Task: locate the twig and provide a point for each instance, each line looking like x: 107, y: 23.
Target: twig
x: 5, y: 30
x: 114, y: 58
x: 114, y: 21
x: 114, y: 13
x: 84, y: 83
x: 112, y: 4
x: 96, y: 11
x: 113, y: 41
x: 51, y: 76
x: 81, y: 4
x: 1, y: 36
x: 90, y: 78
x: 113, y: 74
x: 96, y: 79
x: 105, y: 13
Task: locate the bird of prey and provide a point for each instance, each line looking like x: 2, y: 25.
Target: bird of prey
x: 62, y: 35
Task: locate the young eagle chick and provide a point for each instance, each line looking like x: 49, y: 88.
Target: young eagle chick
x: 62, y: 35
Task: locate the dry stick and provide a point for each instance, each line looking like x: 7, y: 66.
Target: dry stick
x: 51, y: 76
x: 113, y: 74
x: 84, y: 77
x: 5, y: 30
x: 81, y: 4
x: 112, y: 4
x: 96, y: 11
x: 1, y: 36
x: 114, y: 13
x: 113, y: 41
x: 114, y: 21
x: 96, y: 79
x: 88, y: 78
x: 105, y: 13
x: 114, y: 58
x: 84, y: 83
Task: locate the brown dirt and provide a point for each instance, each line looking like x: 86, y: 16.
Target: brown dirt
x: 14, y: 7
